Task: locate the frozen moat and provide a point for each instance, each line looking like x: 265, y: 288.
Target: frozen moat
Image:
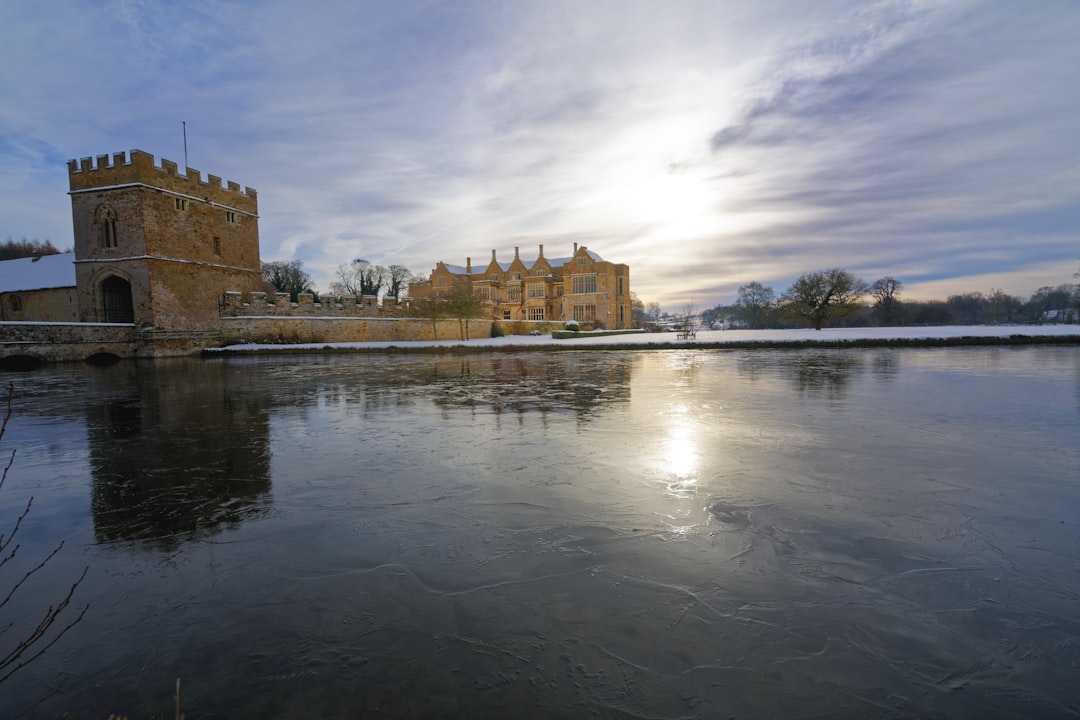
x: 631, y: 534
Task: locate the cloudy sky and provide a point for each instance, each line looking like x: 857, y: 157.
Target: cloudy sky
x: 705, y: 144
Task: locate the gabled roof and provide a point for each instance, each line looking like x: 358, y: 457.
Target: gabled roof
x: 529, y: 264
x: 48, y: 271
x: 557, y: 262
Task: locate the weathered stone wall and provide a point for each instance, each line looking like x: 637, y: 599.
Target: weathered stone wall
x: 327, y: 329
x: 67, y: 341
x: 49, y: 305
x: 257, y: 304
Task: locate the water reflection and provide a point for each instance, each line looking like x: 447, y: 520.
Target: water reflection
x: 180, y: 453
x: 525, y: 383
x: 825, y: 374
x: 626, y: 534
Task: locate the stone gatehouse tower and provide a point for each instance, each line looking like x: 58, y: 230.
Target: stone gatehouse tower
x: 157, y: 248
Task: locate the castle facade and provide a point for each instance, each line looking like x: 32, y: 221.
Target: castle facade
x: 167, y: 263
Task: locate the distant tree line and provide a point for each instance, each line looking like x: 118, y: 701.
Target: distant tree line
x: 15, y: 249
x: 838, y: 298
x: 833, y: 297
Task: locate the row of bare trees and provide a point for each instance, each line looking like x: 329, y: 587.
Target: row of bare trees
x: 357, y: 278
x: 836, y: 296
x: 15, y: 249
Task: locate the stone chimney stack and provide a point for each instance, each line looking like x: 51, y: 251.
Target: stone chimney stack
x: 516, y: 251
x: 468, y: 265
x: 575, y: 248
x: 541, y: 251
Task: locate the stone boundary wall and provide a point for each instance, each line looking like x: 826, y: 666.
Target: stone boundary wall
x: 67, y: 341
x: 261, y: 304
x: 279, y: 330
x: 65, y: 332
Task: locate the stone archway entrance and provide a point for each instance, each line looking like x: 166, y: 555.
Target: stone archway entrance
x: 116, y: 300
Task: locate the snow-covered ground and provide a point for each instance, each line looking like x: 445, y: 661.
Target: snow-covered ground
x: 733, y: 337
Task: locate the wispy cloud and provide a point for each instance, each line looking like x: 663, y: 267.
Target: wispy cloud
x: 705, y: 144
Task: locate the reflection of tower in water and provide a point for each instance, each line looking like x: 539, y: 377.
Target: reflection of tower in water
x: 185, y: 452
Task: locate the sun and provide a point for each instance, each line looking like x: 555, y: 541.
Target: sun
x: 657, y: 178
x: 677, y: 204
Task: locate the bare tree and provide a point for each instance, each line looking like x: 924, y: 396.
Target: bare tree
x: 967, y: 308
x: 822, y: 295
x: 359, y: 278
x: 884, y: 292
x: 1001, y: 307
x: 398, y: 278
x: 287, y: 276
x: 27, y: 645
x: 1054, y: 304
x: 652, y: 312
x: 755, y: 304
x: 712, y: 317
x: 688, y: 321
x: 461, y: 303
x: 15, y: 249
x: 637, y: 310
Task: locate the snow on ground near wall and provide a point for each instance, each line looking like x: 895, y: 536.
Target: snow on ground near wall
x: 732, y: 337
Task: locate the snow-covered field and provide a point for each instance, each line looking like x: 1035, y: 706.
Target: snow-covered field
x: 733, y: 337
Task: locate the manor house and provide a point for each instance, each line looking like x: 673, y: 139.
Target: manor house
x: 582, y: 287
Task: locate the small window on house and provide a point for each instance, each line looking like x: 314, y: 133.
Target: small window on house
x: 230, y: 216
x: 217, y: 246
x: 494, y: 278
x: 180, y: 203
x: 506, y: 314
x: 581, y: 261
x: 442, y: 279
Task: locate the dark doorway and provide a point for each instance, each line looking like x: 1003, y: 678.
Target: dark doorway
x: 116, y: 299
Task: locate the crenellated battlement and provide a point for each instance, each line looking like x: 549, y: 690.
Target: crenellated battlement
x: 260, y: 304
x: 138, y: 167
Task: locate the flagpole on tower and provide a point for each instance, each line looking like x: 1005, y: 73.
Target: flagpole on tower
x: 184, y: 123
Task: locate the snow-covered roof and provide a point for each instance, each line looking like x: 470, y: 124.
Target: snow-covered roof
x: 558, y: 262
x: 48, y: 271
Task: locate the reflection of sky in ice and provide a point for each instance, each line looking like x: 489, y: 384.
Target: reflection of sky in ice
x: 629, y: 533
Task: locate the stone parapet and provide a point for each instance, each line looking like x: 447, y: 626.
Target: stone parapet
x: 138, y: 167
x: 54, y: 342
x: 259, y: 304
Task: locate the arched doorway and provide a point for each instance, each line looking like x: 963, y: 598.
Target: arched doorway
x: 116, y: 300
